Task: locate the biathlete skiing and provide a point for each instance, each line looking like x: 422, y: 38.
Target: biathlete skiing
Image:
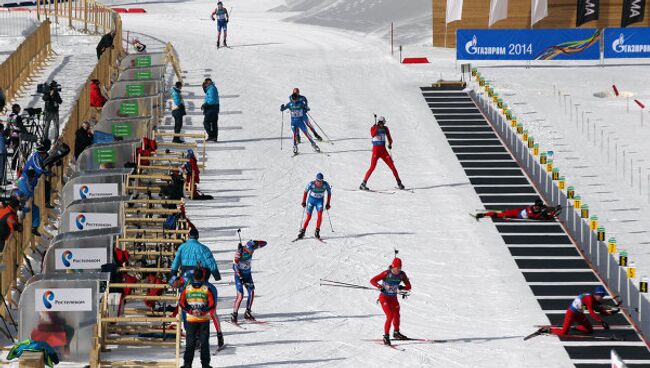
x: 391, y: 284
x: 380, y: 135
x: 302, y: 98
x: 298, y: 110
x: 244, y: 277
x: 315, y: 190
x: 220, y: 14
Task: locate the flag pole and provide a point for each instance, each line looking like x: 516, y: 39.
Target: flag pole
x: 446, y: 34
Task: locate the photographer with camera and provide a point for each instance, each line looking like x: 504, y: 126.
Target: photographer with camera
x: 15, y: 127
x: 52, y: 100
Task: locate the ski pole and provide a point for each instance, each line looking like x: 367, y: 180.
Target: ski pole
x: 329, y: 140
x: 330, y: 219
x: 239, y: 234
x: 282, y: 131
x: 304, y: 209
x: 375, y: 115
x: 354, y: 286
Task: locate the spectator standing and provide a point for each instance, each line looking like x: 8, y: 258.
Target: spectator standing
x: 211, y: 110
x: 52, y: 101
x: 83, y: 138
x: 178, y: 110
x: 105, y: 43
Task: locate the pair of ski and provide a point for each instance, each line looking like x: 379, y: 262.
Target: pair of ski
x: 303, y: 238
x: 249, y: 322
x: 545, y: 330
x: 396, y: 343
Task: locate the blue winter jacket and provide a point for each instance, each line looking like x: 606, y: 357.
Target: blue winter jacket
x: 192, y: 252
x: 211, y: 95
x: 25, y: 188
x: 35, y: 161
x: 176, y: 96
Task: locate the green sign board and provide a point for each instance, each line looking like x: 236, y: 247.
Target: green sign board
x: 122, y: 130
x: 134, y: 90
x: 142, y: 74
x: 104, y: 155
x: 129, y: 108
x: 142, y: 61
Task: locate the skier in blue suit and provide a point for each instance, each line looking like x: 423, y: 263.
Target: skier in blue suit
x: 298, y: 109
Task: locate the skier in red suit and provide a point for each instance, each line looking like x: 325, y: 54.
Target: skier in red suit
x: 538, y: 211
x: 575, y: 313
x: 380, y: 134
x: 390, y: 286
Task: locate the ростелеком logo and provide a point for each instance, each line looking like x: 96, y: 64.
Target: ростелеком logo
x: 66, y: 257
x: 470, y: 46
x: 80, y: 221
x: 83, y: 191
x: 48, y: 297
x: 618, y: 44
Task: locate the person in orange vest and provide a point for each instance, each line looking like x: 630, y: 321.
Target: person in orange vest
x: 390, y: 286
x: 198, y: 301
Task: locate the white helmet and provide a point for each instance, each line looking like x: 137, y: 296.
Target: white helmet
x: 381, y: 119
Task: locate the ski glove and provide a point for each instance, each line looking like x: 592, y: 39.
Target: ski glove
x: 172, y: 280
x: 605, y: 325
x: 327, y: 206
x: 304, y: 204
x: 390, y: 146
x: 401, y: 287
x: 282, y: 107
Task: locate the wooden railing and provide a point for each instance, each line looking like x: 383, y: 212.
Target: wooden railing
x: 28, y: 58
x: 86, y: 15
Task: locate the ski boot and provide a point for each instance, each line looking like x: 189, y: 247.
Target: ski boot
x: 318, y: 137
x: 363, y: 186
x: 220, y: 339
x: 479, y: 216
x: 218, y: 43
x: 387, y: 340
x: 295, y: 149
x: 298, y: 138
x: 315, y: 146
x: 233, y: 317
x: 317, y: 233
x: 398, y: 336
x: 225, y: 44
x: 248, y: 315
x: 301, y: 234
x: 400, y: 185
x: 177, y: 140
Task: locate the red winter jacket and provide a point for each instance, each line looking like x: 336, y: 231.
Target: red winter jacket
x: 96, y: 97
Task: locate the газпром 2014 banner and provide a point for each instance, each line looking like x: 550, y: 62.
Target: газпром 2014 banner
x: 528, y: 44
x: 623, y: 43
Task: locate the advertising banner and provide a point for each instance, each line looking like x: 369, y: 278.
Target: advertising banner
x: 528, y: 44
x: 80, y: 258
x: 87, y: 191
x: 90, y: 221
x: 633, y: 12
x: 64, y: 300
x: 623, y: 43
x: 588, y: 10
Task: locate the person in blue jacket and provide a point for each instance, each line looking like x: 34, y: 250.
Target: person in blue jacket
x: 191, y: 254
x: 35, y: 162
x: 297, y: 110
x: 178, y: 110
x: 211, y: 110
x: 316, y: 191
x: 26, y: 184
x: 296, y: 91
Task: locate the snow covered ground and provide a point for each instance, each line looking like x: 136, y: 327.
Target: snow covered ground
x: 467, y: 289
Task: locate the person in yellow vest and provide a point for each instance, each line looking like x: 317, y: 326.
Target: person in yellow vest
x: 198, y: 301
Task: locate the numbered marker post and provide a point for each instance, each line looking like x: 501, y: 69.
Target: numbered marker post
x: 584, y: 212
x: 611, y: 246
x: 593, y: 222
x: 631, y: 270
x: 577, y: 202
x: 622, y: 258
x: 556, y: 173
x: 536, y: 149
x: 601, y: 233
x: 561, y: 183
x: 643, y: 285
x: 570, y: 192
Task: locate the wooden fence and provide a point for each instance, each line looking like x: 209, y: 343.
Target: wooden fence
x: 86, y: 15
x: 28, y: 58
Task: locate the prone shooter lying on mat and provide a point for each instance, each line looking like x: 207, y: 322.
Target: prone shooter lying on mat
x: 538, y: 211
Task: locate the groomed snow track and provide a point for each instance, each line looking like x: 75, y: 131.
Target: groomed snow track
x: 548, y: 259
